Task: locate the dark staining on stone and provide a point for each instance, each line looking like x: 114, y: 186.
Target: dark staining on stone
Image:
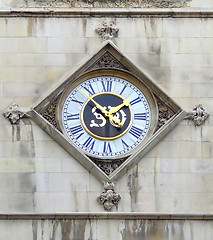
x: 55, y: 225
x: 73, y: 229
x: 134, y: 188
x: 34, y: 229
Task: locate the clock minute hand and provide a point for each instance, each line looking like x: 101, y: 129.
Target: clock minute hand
x: 106, y: 113
x: 126, y: 103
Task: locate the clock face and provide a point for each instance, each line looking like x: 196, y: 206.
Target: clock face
x: 105, y: 116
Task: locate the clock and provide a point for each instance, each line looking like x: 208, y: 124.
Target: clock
x: 107, y: 114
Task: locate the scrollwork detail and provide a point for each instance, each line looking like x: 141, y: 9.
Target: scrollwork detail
x: 107, y: 30
x: 14, y: 113
x: 198, y: 115
x: 109, y: 197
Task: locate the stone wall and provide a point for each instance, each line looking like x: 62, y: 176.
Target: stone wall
x: 37, y: 175
x: 102, y: 229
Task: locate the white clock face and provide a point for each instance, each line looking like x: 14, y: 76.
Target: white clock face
x: 106, y: 117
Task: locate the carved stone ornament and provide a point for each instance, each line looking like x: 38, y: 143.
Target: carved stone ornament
x: 109, y: 3
x: 164, y: 113
x: 14, y: 113
x: 107, y: 61
x: 107, y: 30
x: 109, y: 198
x: 199, y: 115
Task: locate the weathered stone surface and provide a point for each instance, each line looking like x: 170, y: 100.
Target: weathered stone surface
x: 37, y: 175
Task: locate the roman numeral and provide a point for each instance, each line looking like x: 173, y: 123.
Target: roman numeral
x: 107, y: 86
x: 77, y: 101
x: 136, y: 100
x: 136, y: 132
x: 123, y: 89
x: 140, y: 116
x: 107, y: 148
x: 125, y: 145
x: 71, y: 116
x: 90, y: 89
x: 89, y: 143
x: 77, y: 130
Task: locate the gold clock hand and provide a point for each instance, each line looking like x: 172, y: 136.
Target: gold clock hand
x: 126, y: 103
x: 106, y: 113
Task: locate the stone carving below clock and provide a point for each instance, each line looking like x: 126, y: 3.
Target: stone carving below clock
x: 108, y: 166
x: 109, y: 198
x: 107, y: 30
x: 199, y: 115
x: 107, y: 61
x: 14, y: 113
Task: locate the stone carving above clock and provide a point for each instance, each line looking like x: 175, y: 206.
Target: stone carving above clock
x: 110, y: 3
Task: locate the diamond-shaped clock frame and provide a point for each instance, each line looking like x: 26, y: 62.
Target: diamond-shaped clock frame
x: 169, y: 113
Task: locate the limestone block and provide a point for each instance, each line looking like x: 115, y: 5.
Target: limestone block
x: 42, y: 182
x: 62, y: 202
x: 200, y: 90
x: 23, y: 74
x: 30, y: 60
x: 192, y: 74
x: 71, y: 165
x: 6, y: 182
x: 33, y: 45
x: 178, y: 90
x: 1, y: 90
x: 24, y: 182
x: 43, y: 165
x: 75, y: 59
x: 9, y: 45
x: 49, y: 149
x: 22, y: 89
x: 140, y: 27
x: 14, y: 27
x: 16, y: 202
x: 143, y: 45
x: 174, y: 149
x: 24, y: 149
x: 16, y: 165
x: 179, y: 133
x: 170, y: 45
x: 5, y: 149
x: 60, y: 27
x: 182, y: 28
x: 66, y: 45
x: 9, y: 231
x: 196, y: 45
x: 183, y: 60
x: 68, y: 182
x: 145, y: 60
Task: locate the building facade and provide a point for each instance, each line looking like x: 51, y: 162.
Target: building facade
x: 50, y: 191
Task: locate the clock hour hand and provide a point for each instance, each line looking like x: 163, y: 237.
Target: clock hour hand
x: 126, y: 103
x: 106, y: 113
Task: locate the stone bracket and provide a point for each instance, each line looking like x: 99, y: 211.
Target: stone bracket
x: 198, y: 115
x: 14, y: 113
x: 109, y: 197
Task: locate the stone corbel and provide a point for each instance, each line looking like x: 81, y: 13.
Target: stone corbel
x: 14, y: 113
x: 109, y: 198
x: 107, y: 30
x: 198, y: 115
